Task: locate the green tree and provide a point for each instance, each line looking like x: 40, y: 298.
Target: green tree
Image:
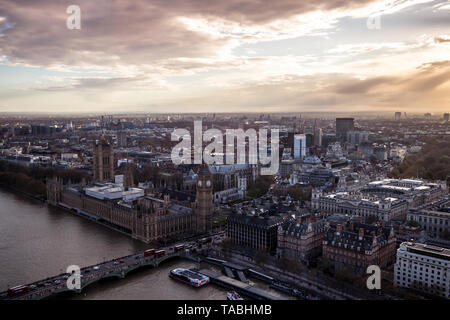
x: 227, y: 246
x: 261, y: 257
x: 260, y: 186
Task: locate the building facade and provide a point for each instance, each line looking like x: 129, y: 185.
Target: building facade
x: 255, y: 232
x: 433, y: 218
x: 301, y: 240
x: 299, y: 146
x: 423, y: 268
x: 416, y: 191
x: 355, y: 246
x: 357, y: 204
x: 204, y: 199
x: 103, y: 160
x: 145, y: 218
x: 344, y: 125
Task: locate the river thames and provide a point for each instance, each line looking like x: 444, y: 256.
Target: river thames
x: 38, y: 241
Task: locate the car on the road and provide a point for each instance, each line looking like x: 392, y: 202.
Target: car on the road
x: 96, y: 268
x: 122, y: 261
x: 32, y: 286
x: 116, y: 262
x: 57, y: 281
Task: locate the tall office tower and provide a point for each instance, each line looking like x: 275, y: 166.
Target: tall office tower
x: 204, y: 199
x: 316, y: 134
x: 446, y: 116
x: 344, y: 125
x: 103, y: 165
x: 122, y: 139
x: 299, y: 146
x: 318, y: 137
x: 398, y: 115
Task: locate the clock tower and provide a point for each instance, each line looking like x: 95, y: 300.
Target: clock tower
x: 204, y: 199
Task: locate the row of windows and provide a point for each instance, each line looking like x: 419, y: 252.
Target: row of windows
x: 435, y: 220
x: 435, y: 290
x: 435, y: 261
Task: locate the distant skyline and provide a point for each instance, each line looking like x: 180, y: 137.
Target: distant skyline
x: 176, y: 56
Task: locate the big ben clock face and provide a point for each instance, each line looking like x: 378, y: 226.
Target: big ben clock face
x: 208, y: 183
x: 199, y: 183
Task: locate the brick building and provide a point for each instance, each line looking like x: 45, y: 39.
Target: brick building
x: 355, y: 246
x: 301, y: 240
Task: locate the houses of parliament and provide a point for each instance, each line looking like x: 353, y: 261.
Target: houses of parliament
x: 146, y: 215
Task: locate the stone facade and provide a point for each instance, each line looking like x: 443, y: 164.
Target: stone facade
x: 358, y: 204
x: 147, y: 219
x: 103, y: 161
x: 204, y: 199
x: 424, y: 268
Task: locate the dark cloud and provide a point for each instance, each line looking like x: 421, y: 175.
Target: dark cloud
x: 133, y: 32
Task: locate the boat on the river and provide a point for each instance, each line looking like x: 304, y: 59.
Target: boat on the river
x: 189, y: 277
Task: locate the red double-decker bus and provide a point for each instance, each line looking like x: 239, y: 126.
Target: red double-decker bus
x: 160, y: 253
x: 149, y: 252
x: 18, y: 290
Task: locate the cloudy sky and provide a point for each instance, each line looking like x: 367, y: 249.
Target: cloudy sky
x: 225, y: 56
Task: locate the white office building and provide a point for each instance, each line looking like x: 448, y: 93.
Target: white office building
x: 423, y: 268
x: 299, y: 146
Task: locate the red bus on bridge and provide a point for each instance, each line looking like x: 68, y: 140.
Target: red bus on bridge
x: 160, y: 253
x: 149, y: 252
x: 178, y: 247
x: 17, y: 290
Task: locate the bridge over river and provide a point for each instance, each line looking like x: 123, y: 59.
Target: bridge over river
x: 118, y: 268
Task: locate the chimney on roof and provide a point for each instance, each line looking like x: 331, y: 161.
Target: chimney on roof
x: 380, y: 231
x: 360, y: 233
x: 392, y: 234
x: 166, y: 200
x: 374, y: 241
